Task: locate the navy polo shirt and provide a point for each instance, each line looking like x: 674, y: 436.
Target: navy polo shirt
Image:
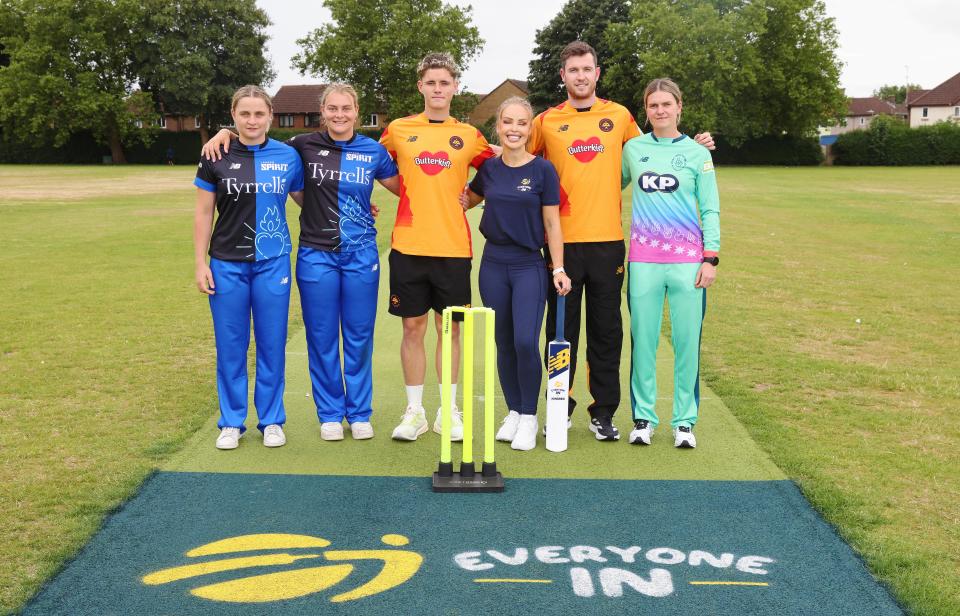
x: 515, y: 196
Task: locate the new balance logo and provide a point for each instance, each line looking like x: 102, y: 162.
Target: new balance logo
x: 286, y: 280
x: 324, y: 152
x: 234, y: 165
x: 411, y: 138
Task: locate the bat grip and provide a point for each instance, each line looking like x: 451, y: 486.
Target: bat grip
x: 561, y: 315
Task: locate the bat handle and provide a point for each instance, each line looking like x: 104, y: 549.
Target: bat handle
x: 561, y: 315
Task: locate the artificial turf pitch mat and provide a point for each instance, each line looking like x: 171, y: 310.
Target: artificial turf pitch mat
x: 352, y: 527
x: 712, y: 547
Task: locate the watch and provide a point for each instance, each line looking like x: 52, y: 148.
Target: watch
x: 714, y: 261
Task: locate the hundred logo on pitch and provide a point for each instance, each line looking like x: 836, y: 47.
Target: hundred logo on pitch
x: 290, y: 582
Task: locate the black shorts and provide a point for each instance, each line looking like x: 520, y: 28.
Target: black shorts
x: 419, y: 283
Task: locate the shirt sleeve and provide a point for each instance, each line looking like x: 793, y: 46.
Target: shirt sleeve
x: 551, y: 185
x: 632, y: 130
x: 625, y: 178
x: 386, y: 140
x: 206, y: 176
x: 708, y: 200
x: 386, y: 168
x: 481, y: 151
x: 535, y: 141
x: 477, y: 185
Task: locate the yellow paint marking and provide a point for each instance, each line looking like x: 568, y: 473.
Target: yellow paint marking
x: 248, y: 543
x: 275, y: 586
x: 398, y: 567
x: 730, y: 583
x: 165, y: 576
x: 510, y: 581
x: 396, y: 540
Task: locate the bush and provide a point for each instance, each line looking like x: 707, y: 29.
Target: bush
x: 889, y: 141
x: 785, y: 150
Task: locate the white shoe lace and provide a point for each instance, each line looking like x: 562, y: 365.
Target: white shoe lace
x: 410, y: 416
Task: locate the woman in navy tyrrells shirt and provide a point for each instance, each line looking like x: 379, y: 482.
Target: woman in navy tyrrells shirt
x: 522, y: 194
x: 338, y: 264
x: 249, y: 269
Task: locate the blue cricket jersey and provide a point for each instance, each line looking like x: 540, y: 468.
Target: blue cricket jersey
x: 339, y: 179
x: 251, y: 184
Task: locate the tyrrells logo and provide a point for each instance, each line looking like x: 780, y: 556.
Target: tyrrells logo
x: 585, y: 151
x: 276, y: 185
x: 433, y: 163
x: 651, y: 182
x: 273, y: 166
x: 284, y: 556
x: 358, y: 175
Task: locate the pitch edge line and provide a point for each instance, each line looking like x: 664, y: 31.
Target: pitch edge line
x: 510, y: 581
x: 730, y: 583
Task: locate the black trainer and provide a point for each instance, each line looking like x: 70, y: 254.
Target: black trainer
x: 604, y: 429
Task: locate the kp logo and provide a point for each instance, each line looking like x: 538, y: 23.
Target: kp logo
x: 433, y: 163
x: 585, y: 151
x: 288, y: 583
x: 651, y: 182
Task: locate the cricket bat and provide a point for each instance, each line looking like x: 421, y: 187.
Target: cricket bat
x: 558, y: 383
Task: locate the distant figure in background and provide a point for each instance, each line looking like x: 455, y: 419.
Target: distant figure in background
x: 171, y: 155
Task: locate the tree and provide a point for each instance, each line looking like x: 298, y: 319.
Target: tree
x: 69, y: 72
x: 375, y: 45
x: 898, y: 93
x: 193, y: 55
x: 578, y: 20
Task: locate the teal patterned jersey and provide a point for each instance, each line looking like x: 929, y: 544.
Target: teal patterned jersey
x: 676, y: 207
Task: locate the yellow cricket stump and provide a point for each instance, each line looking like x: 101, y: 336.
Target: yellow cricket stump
x: 445, y: 479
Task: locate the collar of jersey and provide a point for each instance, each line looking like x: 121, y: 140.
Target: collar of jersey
x: 565, y: 106
x: 674, y: 140
x: 236, y: 143
x: 326, y: 138
x: 422, y: 117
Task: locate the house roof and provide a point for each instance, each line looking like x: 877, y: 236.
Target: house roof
x: 913, y: 95
x: 520, y: 84
x: 869, y: 106
x: 945, y: 94
x: 298, y: 99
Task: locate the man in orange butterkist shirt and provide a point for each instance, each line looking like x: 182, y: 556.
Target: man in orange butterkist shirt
x: 431, y: 245
x: 583, y: 137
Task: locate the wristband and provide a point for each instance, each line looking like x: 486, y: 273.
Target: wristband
x: 559, y: 270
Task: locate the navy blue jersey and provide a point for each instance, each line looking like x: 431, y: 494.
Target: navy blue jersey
x: 251, y: 184
x: 514, y: 197
x: 338, y: 182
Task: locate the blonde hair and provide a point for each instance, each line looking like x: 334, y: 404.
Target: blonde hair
x: 663, y: 84
x: 340, y: 88
x: 438, y: 60
x: 515, y: 100
x: 250, y: 91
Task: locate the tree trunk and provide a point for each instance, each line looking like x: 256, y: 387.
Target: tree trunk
x: 204, y: 133
x: 116, y: 148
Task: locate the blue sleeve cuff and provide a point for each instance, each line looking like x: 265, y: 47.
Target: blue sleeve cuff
x: 207, y: 186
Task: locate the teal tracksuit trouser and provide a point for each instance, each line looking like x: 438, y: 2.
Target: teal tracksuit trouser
x: 647, y: 285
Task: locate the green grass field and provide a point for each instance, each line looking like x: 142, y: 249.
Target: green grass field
x: 832, y: 335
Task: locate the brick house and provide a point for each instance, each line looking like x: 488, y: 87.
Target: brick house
x: 298, y: 107
x: 942, y: 103
x: 489, y: 103
x: 862, y: 111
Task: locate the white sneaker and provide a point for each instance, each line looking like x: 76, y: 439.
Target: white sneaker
x: 526, y: 437
x: 273, y: 436
x: 413, y: 424
x: 683, y: 438
x: 331, y: 431
x: 229, y: 438
x: 361, y: 430
x: 456, y: 424
x: 642, y: 432
x: 509, y: 428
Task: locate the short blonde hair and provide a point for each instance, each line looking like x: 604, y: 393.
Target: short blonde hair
x: 251, y: 91
x: 438, y: 60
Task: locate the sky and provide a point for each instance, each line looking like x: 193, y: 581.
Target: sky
x: 881, y: 42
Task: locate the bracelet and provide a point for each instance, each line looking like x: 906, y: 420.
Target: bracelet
x: 559, y: 270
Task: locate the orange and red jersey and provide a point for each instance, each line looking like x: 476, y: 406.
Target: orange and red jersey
x: 433, y: 158
x: 586, y: 149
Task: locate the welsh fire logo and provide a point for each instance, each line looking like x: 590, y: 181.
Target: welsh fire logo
x: 289, y: 582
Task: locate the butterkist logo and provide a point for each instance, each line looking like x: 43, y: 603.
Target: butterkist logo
x: 433, y: 163
x: 585, y: 151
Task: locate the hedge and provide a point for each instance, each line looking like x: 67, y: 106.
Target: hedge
x: 888, y: 141
x: 785, y: 150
